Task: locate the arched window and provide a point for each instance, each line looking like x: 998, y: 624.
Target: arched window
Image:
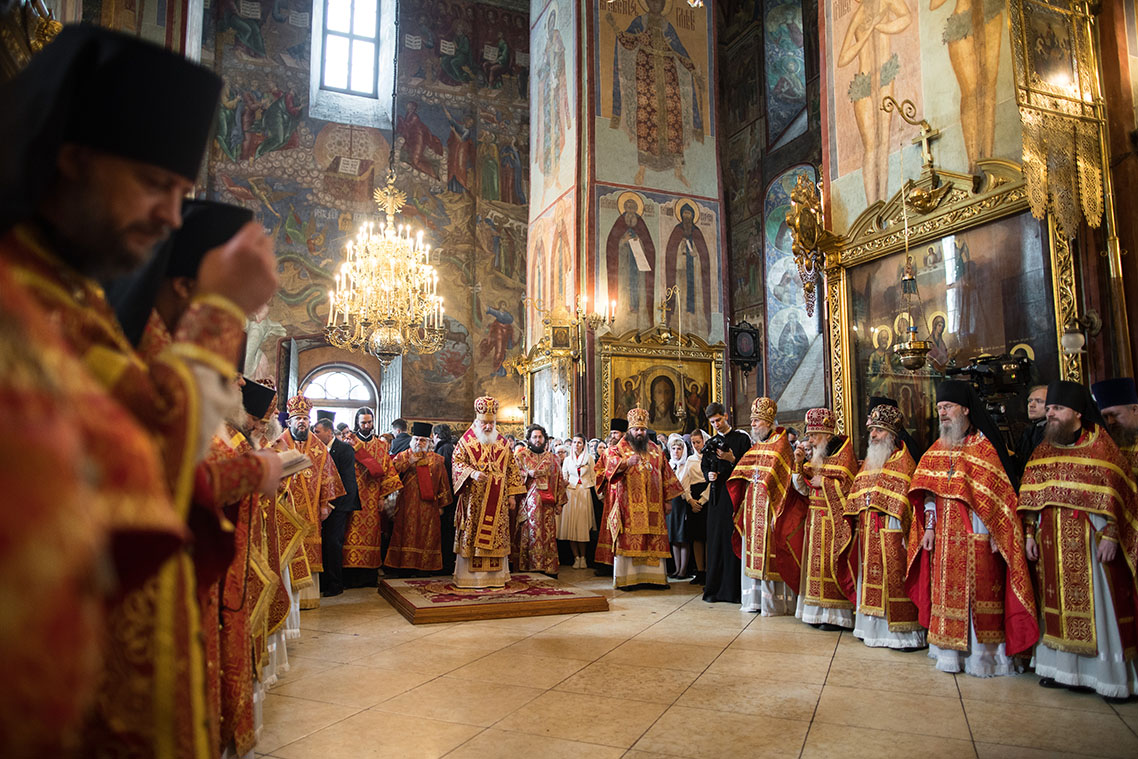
x: 341, y: 389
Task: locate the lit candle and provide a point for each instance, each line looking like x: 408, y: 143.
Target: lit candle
x: 331, y: 306
x: 612, y: 313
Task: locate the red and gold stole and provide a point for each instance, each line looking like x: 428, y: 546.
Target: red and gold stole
x: 1062, y: 485
x: 830, y: 533
x: 758, y: 487
x: 971, y: 478
x: 876, y: 496
x: 312, y: 489
x: 636, y: 489
x: 488, y: 497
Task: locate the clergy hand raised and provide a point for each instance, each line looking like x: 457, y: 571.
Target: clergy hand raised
x: 243, y: 270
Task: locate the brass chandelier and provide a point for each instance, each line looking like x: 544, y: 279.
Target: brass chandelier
x: 385, y: 302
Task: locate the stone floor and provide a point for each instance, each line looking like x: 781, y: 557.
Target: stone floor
x: 661, y: 674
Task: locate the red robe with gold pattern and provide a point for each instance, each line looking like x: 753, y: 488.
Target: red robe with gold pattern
x: 416, y: 531
x: 759, y: 485
x: 641, y: 496
x: 377, y: 478
x: 828, y: 560
x: 876, y: 496
x: 312, y: 489
x: 535, y: 531
x: 482, y: 513
x: 964, y: 579
x: 150, y: 704
x: 1062, y: 485
x: 85, y: 487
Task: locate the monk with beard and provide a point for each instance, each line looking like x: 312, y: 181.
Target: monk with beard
x: 826, y: 592
x: 641, y: 486
x: 1080, y: 512
x: 535, y: 533
x: 486, y: 480
x: 1117, y: 399
x: 973, y: 592
x: 883, y: 513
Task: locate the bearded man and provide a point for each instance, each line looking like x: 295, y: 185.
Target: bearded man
x: 535, y: 534
x: 759, y: 486
x: 618, y: 428
x: 973, y: 592
x: 1117, y: 399
x: 91, y: 180
x: 425, y: 492
x: 312, y: 490
x: 826, y: 596
x: 880, y: 504
x: 486, y: 479
x: 1080, y: 514
x: 641, y: 486
x: 363, y: 544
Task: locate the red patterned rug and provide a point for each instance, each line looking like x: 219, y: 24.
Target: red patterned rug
x: 436, y: 599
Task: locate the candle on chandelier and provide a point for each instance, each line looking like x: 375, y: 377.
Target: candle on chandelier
x: 331, y: 306
x: 612, y: 311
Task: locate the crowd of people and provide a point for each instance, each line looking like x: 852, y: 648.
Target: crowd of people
x: 165, y: 528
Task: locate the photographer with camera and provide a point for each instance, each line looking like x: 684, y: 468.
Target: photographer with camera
x: 720, y: 455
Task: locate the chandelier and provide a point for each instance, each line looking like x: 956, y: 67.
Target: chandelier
x: 385, y: 302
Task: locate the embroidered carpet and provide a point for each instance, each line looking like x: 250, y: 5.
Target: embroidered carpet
x: 436, y: 599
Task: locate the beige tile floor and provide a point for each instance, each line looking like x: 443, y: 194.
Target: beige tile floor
x: 662, y: 674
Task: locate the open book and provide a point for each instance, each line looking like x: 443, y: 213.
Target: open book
x: 293, y: 461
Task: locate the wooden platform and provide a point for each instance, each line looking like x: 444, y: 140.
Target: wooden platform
x: 435, y: 599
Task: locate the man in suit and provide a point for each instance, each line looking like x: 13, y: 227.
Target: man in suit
x: 401, y: 441
x: 335, y: 522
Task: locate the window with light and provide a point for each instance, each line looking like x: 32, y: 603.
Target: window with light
x: 351, y: 47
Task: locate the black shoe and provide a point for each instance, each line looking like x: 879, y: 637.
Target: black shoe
x: 603, y: 571
x: 828, y: 627
x: 1119, y: 699
x: 1049, y: 682
x: 699, y: 579
x: 331, y: 593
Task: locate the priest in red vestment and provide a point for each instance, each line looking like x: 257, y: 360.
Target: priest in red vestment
x: 618, y: 428
x: 826, y: 594
x: 1080, y: 511
x: 377, y: 478
x: 312, y: 489
x: 967, y: 573
x: 92, y: 177
x: 760, y: 488
x: 883, y: 513
x: 535, y: 531
x: 486, y: 483
x: 641, y: 486
x: 415, y: 534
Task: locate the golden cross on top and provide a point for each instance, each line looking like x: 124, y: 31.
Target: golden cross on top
x: 908, y: 111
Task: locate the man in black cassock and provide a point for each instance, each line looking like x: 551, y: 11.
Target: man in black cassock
x: 720, y: 455
x: 335, y: 524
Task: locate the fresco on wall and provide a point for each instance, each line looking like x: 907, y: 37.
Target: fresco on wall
x: 553, y: 100
x: 648, y: 242
x: 655, y: 121
x: 785, y: 70
x: 740, y: 83
x: 795, y: 354
x: 875, y: 53
x: 747, y: 264
x: 552, y: 266
x: 461, y: 141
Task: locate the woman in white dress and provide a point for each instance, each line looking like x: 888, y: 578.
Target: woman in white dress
x: 577, y: 518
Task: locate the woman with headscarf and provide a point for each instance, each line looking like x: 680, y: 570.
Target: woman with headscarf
x: 689, y: 473
x: 577, y: 518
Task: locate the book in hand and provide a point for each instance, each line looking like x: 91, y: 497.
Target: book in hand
x: 293, y: 461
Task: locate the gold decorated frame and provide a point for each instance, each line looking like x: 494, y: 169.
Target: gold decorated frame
x: 541, y: 360
x: 939, y: 204
x: 651, y: 347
